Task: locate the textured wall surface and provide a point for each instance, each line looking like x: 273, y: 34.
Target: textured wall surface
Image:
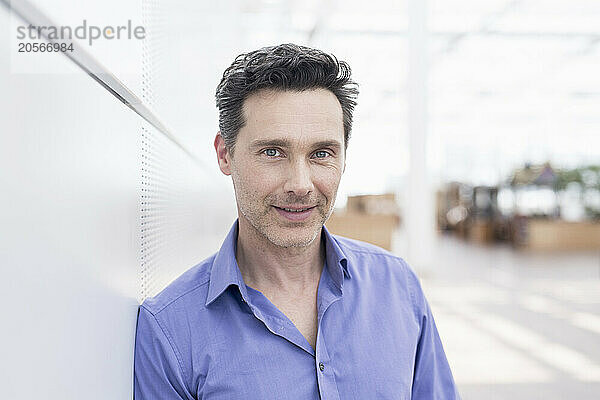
x: 98, y: 210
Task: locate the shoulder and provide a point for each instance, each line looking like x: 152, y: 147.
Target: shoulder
x: 189, y: 287
x: 381, y: 268
x: 164, y: 336
x: 357, y: 246
x: 368, y: 256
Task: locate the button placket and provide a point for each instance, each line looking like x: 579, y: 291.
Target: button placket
x: 325, y: 372
x: 321, y: 354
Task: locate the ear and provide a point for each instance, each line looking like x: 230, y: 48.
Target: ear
x: 223, y: 155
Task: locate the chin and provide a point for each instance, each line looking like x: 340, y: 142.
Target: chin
x: 275, y: 231
x: 285, y: 238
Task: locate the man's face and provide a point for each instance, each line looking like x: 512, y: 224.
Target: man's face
x: 288, y: 156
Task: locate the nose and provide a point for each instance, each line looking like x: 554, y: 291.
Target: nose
x: 299, y: 179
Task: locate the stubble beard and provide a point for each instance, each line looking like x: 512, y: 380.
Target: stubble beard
x: 269, y: 227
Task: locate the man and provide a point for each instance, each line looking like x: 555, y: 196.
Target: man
x: 285, y: 310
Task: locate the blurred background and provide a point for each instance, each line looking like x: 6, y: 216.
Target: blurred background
x: 475, y: 155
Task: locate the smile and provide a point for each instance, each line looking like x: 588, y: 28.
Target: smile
x: 295, y: 214
x: 298, y: 210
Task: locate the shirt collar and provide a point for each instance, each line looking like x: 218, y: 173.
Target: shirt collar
x: 225, y: 270
x: 337, y: 263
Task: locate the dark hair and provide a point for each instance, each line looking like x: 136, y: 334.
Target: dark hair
x: 283, y: 67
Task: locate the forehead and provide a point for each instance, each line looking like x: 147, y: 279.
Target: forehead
x: 297, y: 116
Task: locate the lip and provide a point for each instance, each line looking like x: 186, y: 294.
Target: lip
x: 295, y: 216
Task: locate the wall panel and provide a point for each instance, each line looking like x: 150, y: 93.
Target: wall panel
x: 98, y: 210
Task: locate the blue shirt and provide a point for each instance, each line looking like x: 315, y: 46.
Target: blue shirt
x: 210, y: 336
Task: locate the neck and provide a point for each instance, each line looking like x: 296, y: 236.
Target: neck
x: 271, y: 268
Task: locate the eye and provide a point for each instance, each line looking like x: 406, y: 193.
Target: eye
x: 271, y: 152
x: 322, y: 154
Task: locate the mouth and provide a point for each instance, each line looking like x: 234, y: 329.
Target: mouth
x: 295, y: 213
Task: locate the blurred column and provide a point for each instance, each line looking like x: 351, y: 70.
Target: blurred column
x: 419, y: 206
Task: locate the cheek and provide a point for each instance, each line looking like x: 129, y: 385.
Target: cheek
x: 327, y: 181
x: 256, y: 179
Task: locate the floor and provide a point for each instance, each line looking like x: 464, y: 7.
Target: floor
x: 517, y: 325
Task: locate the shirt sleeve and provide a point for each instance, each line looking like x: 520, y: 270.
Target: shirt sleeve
x: 157, y: 370
x: 432, y: 379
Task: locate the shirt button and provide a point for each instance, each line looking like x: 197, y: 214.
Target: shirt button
x: 321, y: 366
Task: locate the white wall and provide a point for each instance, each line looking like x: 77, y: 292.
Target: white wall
x: 75, y: 261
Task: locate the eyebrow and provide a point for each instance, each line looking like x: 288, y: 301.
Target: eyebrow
x: 334, y: 144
